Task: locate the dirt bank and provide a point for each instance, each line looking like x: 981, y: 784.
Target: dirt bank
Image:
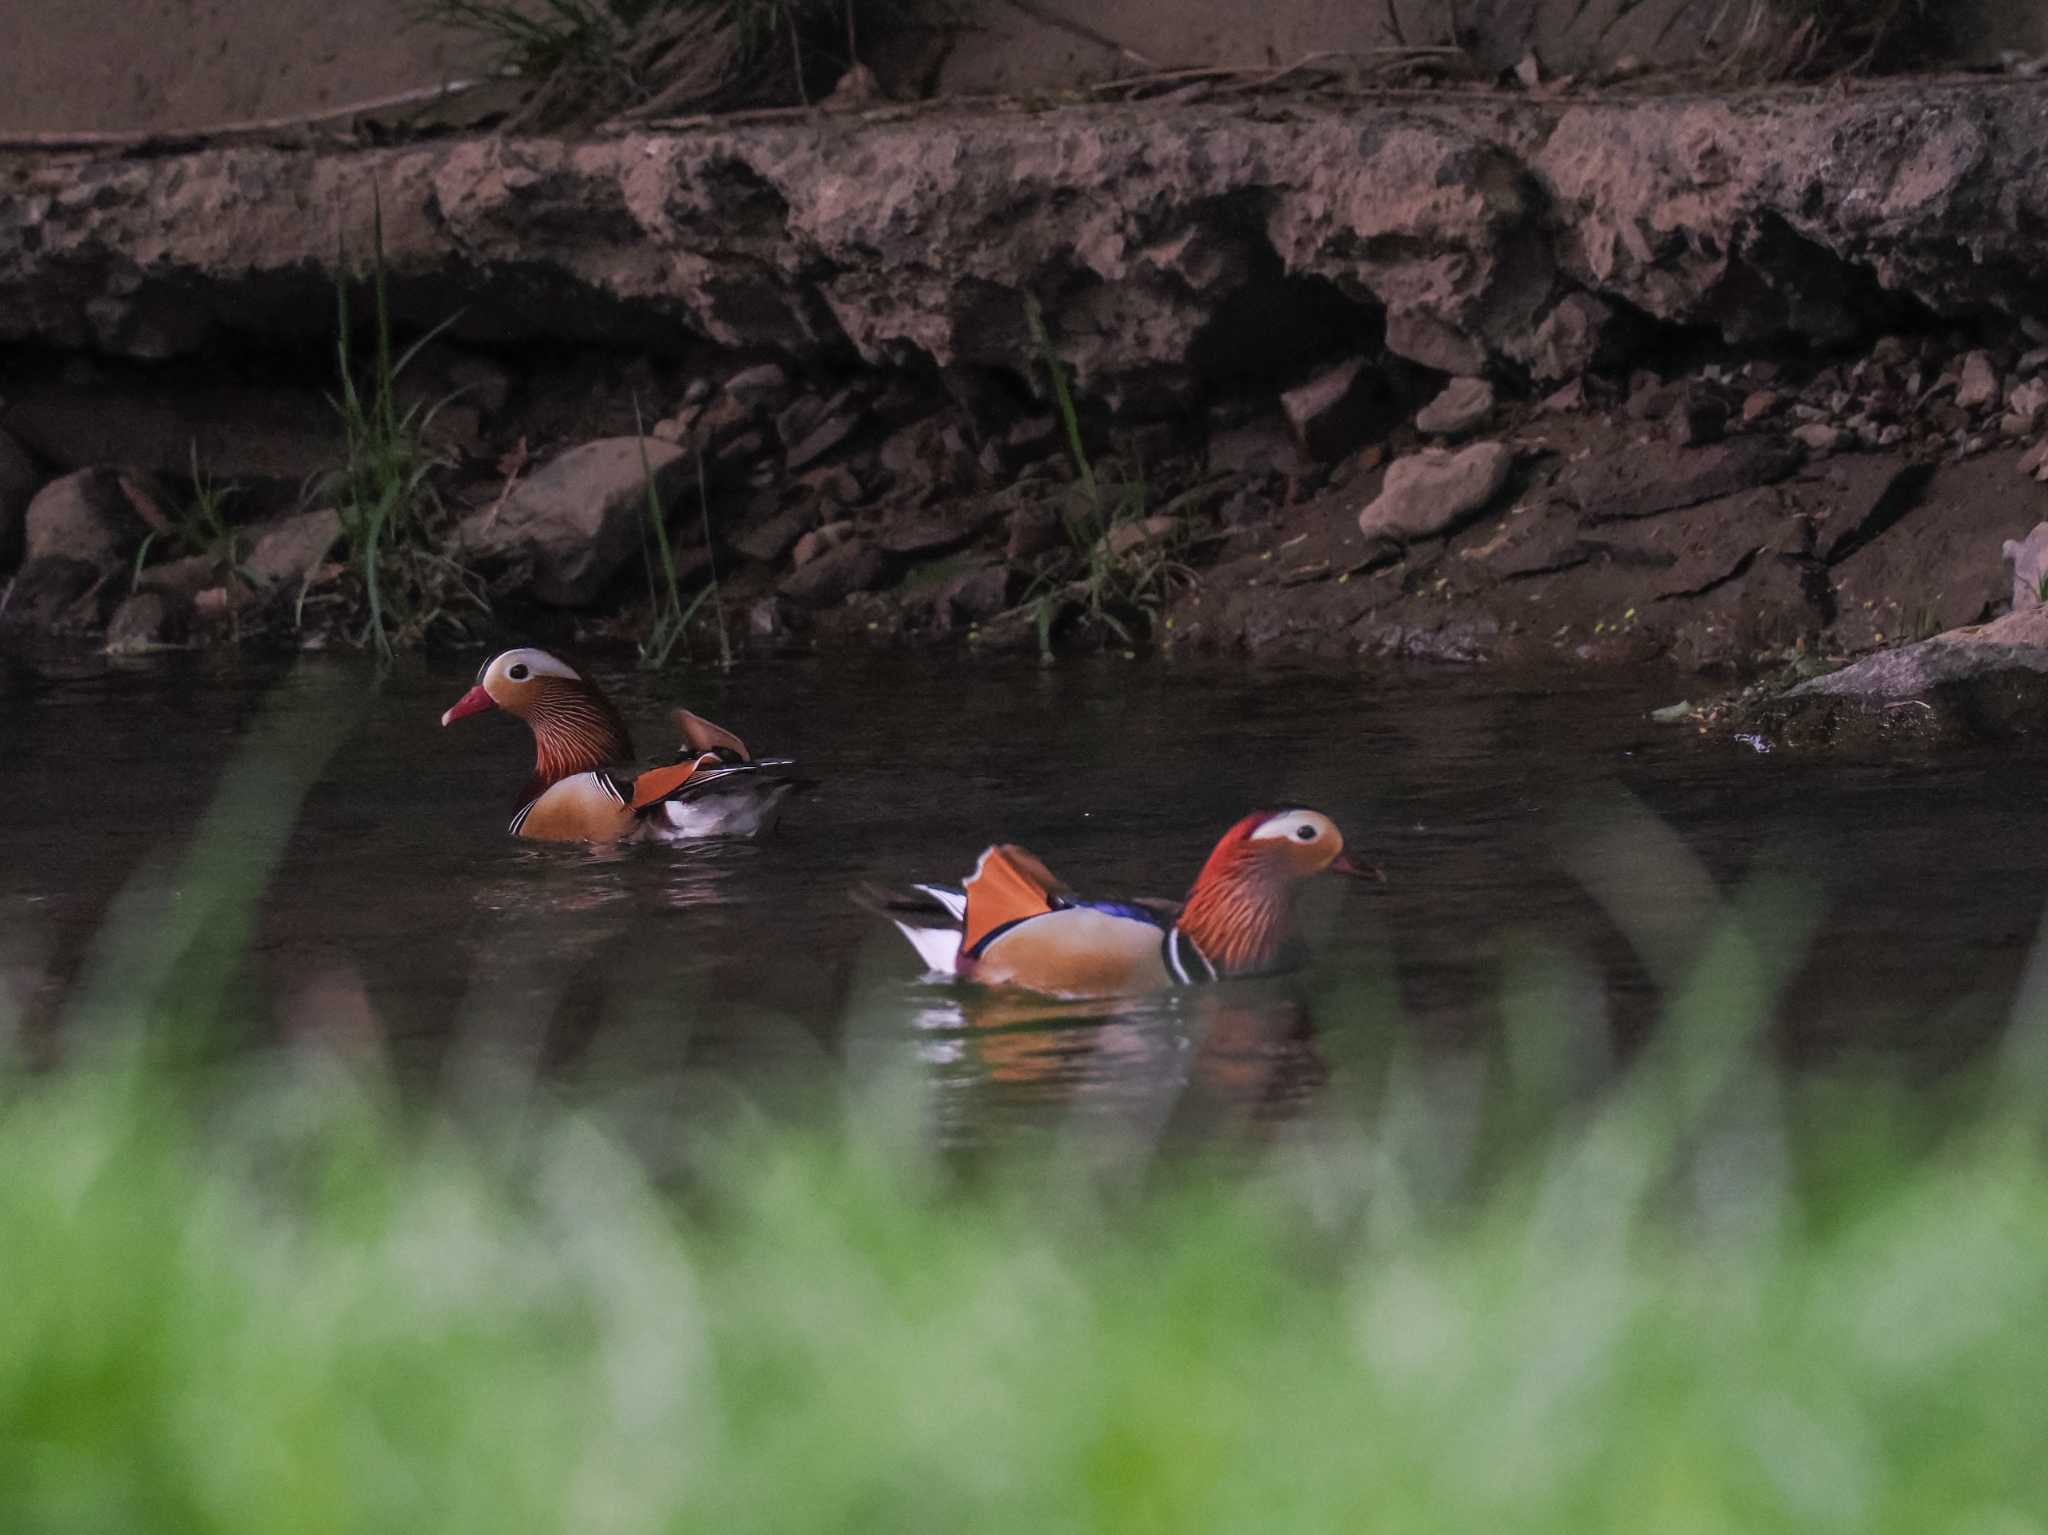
x: 1457, y: 376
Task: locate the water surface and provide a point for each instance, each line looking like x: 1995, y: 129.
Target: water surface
x: 403, y: 913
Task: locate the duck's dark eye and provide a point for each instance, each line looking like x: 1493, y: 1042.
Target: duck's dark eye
x: 1306, y: 833
x: 518, y: 673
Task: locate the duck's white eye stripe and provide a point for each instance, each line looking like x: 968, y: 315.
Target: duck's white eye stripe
x: 1296, y: 825
x: 538, y: 663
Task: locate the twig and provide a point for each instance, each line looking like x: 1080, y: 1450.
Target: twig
x: 1083, y: 31
x: 1265, y: 74
x: 243, y: 128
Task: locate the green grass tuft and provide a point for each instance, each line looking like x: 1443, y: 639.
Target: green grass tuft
x: 1118, y: 575
x: 391, y: 515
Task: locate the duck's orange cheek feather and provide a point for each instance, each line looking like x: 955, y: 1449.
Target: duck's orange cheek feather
x: 475, y: 701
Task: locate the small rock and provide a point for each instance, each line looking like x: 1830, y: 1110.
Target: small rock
x: 1033, y: 529
x: 677, y: 428
x: 1126, y: 537
x: 756, y: 387
x: 149, y: 620
x: 770, y: 540
x: 55, y: 592
x: 1565, y: 399
x: 18, y: 482
x: 1820, y: 437
x: 1570, y: 339
x: 980, y: 594
x: 290, y: 547
x: 765, y: 620
x: 1977, y: 385
x: 1263, y: 445
x: 835, y: 485
x: 820, y: 541
x: 1331, y: 412
x: 1649, y: 397
x: 86, y: 515
x: 822, y: 438
x: 940, y: 533
x: 2029, y: 560
x: 2032, y: 362
x: 2034, y: 457
x: 1529, y: 70
x: 579, y: 516
x: 2027, y: 402
x: 185, y: 577
x: 854, y: 566
x: 1698, y: 419
x: 1434, y: 490
x: 1459, y: 411
x: 1760, y: 404
x: 1892, y: 436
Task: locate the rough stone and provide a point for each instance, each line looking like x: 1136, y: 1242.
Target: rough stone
x: 578, y: 518
x: 1573, y: 337
x: 1128, y: 537
x: 2029, y: 560
x: 1985, y: 682
x: 1616, y: 487
x: 1486, y: 230
x: 1331, y: 412
x: 1759, y: 404
x: 1820, y: 437
x: 820, y: 541
x: 57, y: 594
x: 86, y: 515
x: 854, y: 566
x: 289, y: 549
x: 1977, y: 388
x: 149, y: 620
x: 1033, y: 529
x: 2026, y: 402
x: 979, y: 594
x: 938, y: 533
x: 768, y: 541
x: 1459, y: 411
x: 759, y: 386
x: 1436, y: 489
x: 1698, y: 419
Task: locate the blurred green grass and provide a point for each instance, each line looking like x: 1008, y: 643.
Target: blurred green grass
x: 278, y: 1302
x: 262, y: 1289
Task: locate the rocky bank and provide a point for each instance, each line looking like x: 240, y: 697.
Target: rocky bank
x: 1463, y: 375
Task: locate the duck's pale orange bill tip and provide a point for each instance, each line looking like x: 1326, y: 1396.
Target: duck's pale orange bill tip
x: 475, y: 701
x: 1342, y: 864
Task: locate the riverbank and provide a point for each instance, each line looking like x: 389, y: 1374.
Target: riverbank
x: 1713, y: 379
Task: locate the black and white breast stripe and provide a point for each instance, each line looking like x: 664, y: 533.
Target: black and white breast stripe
x: 1185, y: 962
x: 609, y: 784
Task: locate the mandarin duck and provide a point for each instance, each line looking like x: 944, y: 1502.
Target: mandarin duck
x: 1012, y: 923
x: 580, y: 792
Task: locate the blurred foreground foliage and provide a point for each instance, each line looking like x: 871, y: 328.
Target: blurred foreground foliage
x: 272, y: 1292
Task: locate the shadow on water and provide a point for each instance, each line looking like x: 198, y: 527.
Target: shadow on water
x: 401, y: 903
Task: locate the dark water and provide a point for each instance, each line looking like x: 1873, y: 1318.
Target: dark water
x: 403, y: 914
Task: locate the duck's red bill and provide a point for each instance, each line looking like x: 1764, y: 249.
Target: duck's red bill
x: 475, y: 701
x: 1342, y: 864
